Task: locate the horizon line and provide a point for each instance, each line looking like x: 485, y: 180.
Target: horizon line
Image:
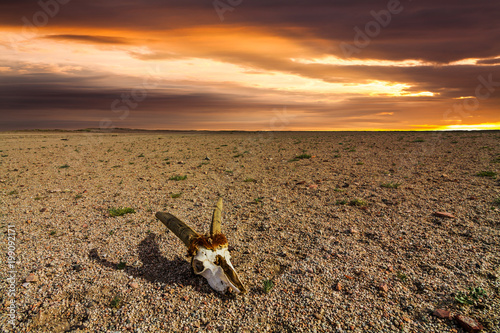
x: 125, y: 129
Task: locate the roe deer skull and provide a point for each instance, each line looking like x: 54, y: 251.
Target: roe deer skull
x: 210, y: 254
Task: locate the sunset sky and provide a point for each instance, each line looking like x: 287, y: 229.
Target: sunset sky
x: 250, y: 65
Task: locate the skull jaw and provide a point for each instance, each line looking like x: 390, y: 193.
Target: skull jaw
x: 216, y: 267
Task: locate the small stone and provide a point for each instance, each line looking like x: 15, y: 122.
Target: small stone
x: 32, y: 278
x: 444, y: 214
x: 469, y: 324
x: 318, y: 316
x: 43, y: 210
x: 383, y: 287
x: 442, y: 313
x: 134, y: 285
x: 207, y: 158
x: 338, y: 286
x: 313, y: 186
x: 390, y: 268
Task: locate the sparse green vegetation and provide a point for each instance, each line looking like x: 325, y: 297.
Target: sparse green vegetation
x: 249, y: 180
x: 53, y: 232
x: 78, y: 196
x: 303, y: 156
x: 116, y: 302
x: 497, y: 201
x: 418, y: 140
x: 64, y: 166
x: 175, y: 195
x: 120, y: 211
x: 13, y: 192
x: 471, y: 297
x: 489, y: 174
x: 390, y: 185
x: 267, y: 285
x: 141, y: 155
x: 357, y: 202
x: 360, y: 163
x: 341, y: 202
x: 402, y: 276
x: 121, y: 265
x: 259, y: 199
x: 178, y: 177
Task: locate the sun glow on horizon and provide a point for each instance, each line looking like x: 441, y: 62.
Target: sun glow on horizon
x: 475, y: 127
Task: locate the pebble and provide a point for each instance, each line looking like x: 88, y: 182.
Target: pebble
x: 442, y: 313
x: 469, y: 324
x: 134, y: 285
x: 383, y: 287
x: 444, y: 214
x: 32, y: 278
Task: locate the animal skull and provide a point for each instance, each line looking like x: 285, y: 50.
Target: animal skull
x: 210, y: 255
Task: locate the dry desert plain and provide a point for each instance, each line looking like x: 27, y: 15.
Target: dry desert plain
x: 329, y: 231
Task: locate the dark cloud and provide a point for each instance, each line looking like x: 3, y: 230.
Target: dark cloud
x: 90, y: 39
x: 439, y: 31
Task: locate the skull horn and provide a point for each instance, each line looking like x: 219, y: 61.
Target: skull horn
x: 215, y: 227
x: 179, y: 228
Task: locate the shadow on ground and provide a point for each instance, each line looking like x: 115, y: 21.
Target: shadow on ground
x: 155, y: 267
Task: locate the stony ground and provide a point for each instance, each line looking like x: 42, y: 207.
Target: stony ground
x: 347, y: 233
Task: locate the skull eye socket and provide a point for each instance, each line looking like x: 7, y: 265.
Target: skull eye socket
x: 198, y: 266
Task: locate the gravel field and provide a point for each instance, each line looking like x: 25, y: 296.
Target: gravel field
x: 356, y: 231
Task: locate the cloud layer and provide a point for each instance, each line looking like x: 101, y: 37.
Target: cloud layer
x: 190, y: 65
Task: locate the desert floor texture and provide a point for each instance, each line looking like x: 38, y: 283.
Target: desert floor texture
x: 329, y: 231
